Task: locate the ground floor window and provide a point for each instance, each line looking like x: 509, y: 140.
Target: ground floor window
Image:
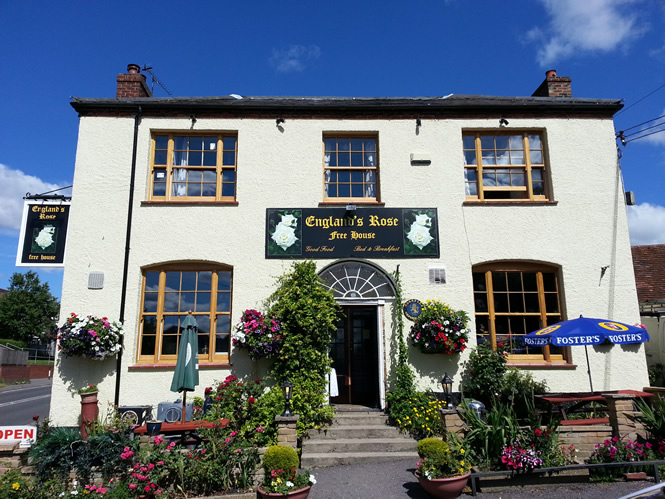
x: 169, y: 293
x: 513, y: 299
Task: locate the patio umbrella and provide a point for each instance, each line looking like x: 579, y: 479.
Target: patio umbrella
x: 186, y: 375
x: 586, y: 331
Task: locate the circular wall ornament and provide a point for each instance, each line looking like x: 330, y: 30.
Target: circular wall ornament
x: 413, y: 309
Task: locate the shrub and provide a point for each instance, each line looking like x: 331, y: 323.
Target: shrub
x: 419, y: 415
x: 652, y: 417
x: 280, y: 457
x: 14, y: 485
x: 434, y: 449
x: 617, y: 451
x: 484, y: 372
x: 308, y: 313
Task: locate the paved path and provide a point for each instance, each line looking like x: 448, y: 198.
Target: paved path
x: 396, y: 480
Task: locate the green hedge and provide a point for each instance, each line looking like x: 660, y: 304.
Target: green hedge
x: 14, y: 343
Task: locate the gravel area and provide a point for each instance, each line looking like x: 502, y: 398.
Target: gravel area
x: 395, y: 479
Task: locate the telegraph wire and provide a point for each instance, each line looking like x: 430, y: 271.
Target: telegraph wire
x: 643, y: 136
x: 644, y: 129
x: 640, y: 100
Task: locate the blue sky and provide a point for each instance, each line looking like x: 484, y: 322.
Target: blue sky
x: 53, y: 50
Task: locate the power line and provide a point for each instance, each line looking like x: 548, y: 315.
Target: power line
x: 640, y: 100
x: 643, y: 136
x: 645, y: 129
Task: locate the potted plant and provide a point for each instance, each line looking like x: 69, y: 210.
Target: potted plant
x: 90, y: 337
x: 89, y: 408
x: 259, y: 334
x: 440, y: 329
x: 443, y: 469
x: 281, y: 477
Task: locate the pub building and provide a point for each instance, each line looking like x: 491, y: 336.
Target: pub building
x: 508, y: 208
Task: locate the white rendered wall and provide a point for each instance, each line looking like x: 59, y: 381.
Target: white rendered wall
x: 584, y: 231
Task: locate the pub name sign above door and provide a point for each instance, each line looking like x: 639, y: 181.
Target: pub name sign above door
x: 363, y: 233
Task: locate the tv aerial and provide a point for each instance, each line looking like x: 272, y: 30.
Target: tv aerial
x: 154, y: 78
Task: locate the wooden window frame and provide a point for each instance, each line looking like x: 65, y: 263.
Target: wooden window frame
x: 528, y: 168
x: 547, y: 357
x: 350, y: 199
x: 220, y: 168
x: 212, y: 356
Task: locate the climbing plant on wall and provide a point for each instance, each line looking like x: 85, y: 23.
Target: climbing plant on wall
x: 308, y: 314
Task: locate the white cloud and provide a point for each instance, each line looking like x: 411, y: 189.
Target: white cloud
x: 15, y: 185
x: 646, y: 224
x: 579, y: 26
x: 293, y: 58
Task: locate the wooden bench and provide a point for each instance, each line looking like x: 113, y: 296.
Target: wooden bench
x: 475, y: 477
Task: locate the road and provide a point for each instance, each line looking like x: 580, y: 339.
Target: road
x: 19, y: 403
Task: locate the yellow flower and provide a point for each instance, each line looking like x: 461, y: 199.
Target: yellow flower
x: 461, y: 471
x: 461, y: 463
x: 16, y: 486
x: 461, y: 451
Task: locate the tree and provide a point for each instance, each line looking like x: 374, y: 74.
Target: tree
x: 28, y: 309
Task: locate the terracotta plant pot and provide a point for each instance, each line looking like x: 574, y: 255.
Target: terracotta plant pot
x: 296, y: 494
x: 89, y: 412
x: 444, y: 488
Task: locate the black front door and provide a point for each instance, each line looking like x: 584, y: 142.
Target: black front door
x: 355, y: 357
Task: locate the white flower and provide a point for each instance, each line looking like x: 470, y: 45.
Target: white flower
x: 419, y: 236
x: 312, y: 480
x: 289, y: 484
x: 423, y: 220
x: 289, y: 221
x: 45, y: 237
x: 284, y: 236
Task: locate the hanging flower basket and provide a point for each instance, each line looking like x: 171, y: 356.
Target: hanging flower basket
x: 260, y: 335
x: 89, y: 337
x: 440, y: 329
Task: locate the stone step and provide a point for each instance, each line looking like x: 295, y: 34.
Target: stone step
x: 354, y: 418
x: 356, y: 431
x: 322, y: 460
x: 359, y: 445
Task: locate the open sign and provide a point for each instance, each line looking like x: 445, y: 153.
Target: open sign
x: 25, y: 436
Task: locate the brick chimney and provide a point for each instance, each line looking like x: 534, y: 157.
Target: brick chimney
x: 554, y: 86
x: 132, y: 84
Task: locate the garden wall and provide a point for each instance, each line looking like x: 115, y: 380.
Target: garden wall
x: 584, y: 438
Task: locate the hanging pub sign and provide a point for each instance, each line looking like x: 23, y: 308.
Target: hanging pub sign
x: 43, y: 234
x: 362, y: 233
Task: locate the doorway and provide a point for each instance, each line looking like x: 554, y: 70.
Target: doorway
x: 355, y: 355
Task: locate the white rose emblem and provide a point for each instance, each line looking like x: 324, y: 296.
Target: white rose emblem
x: 45, y: 237
x: 423, y: 220
x: 284, y: 236
x: 289, y: 221
x: 419, y: 235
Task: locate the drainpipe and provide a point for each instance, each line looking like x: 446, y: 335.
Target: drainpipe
x: 125, y: 270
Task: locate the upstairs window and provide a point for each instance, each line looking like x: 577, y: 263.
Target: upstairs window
x: 350, y: 168
x: 504, y: 166
x: 194, y: 167
x: 169, y: 293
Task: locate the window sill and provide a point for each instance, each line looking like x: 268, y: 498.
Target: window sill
x: 542, y: 365
x: 355, y: 203
x: 190, y: 203
x: 510, y: 203
x: 207, y: 365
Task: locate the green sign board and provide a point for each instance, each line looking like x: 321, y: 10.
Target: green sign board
x: 361, y: 233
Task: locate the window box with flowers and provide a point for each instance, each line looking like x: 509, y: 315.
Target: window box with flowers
x: 440, y: 329
x: 259, y: 334
x: 89, y: 337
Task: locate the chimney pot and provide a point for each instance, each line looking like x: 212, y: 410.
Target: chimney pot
x: 551, y: 73
x: 132, y: 84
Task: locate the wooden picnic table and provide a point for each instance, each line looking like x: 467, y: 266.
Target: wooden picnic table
x: 569, y: 403
x: 188, y: 430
